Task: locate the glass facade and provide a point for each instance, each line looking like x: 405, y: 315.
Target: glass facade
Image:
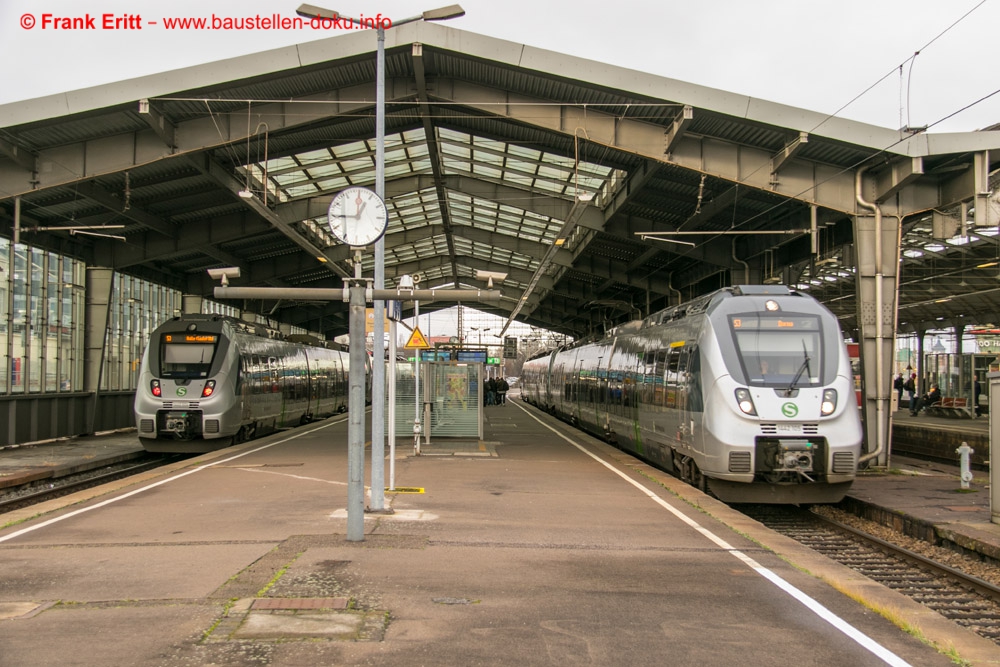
x: 41, y: 320
x: 43, y: 315
x: 138, y: 307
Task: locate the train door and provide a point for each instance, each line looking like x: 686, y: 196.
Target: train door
x: 244, y: 388
x: 680, y: 361
x: 578, y: 389
x: 694, y: 395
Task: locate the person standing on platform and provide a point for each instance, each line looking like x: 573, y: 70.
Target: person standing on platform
x: 898, y: 386
x: 502, y: 388
x: 491, y: 392
x: 911, y: 388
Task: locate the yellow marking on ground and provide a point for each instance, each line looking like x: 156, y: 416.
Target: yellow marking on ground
x: 405, y: 489
x: 482, y: 446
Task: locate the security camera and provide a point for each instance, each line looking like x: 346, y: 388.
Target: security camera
x: 224, y: 274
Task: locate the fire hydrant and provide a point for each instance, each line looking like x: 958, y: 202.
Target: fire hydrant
x: 965, y: 452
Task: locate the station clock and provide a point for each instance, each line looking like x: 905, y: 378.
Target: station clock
x: 357, y: 216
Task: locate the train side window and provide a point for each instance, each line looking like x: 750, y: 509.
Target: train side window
x: 241, y: 374
x: 274, y: 378
x: 694, y: 380
x: 659, y: 371
x: 255, y: 374
x: 670, y: 379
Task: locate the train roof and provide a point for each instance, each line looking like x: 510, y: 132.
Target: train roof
x: 702, y: 303
x: 252, y: 329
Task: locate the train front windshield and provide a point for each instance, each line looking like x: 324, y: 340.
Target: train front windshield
x: 187, y: 355
x: 779, y: 350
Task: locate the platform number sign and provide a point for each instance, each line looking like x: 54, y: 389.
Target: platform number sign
x: 510, y: 347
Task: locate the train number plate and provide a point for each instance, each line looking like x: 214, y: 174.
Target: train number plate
x: 789, y: 428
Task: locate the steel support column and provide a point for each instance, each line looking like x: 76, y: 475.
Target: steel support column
x: 876, y: 240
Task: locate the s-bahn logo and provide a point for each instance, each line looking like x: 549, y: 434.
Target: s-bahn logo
x: 182, y: 391
x: 789, y: 410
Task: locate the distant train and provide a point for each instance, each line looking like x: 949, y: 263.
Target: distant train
x: 746, y: 392
x: 208, y: 381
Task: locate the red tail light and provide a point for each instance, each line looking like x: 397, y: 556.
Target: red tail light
x: 154, y: 387
x: 209, y: 389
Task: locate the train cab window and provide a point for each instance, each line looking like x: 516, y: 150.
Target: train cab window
x: 187, y: 355
x: 777, y: 350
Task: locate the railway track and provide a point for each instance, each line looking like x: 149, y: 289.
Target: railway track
x: 964, y: 599
x: 19, y: 497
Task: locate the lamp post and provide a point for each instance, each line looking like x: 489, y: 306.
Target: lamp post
x: 378, y: 361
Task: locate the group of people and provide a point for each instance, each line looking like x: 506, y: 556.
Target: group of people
x: 917, y: 401
x: 495, y: 391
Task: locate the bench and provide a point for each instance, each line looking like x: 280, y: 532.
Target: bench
x: 950, y: 407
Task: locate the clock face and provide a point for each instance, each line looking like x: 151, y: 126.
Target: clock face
x: 357, y: 216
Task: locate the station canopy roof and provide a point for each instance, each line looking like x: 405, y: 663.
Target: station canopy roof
x: 499, y: 158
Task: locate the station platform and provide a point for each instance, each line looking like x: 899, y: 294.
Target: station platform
x: 537, y: 545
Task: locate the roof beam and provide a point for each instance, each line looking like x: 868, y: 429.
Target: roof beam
x: 191, y: 238
x: 536, y: 280
x: 825, y: 185
x: 678, y: 128
x: 90, y: 159
x: 527, y: 200
x: 24, y: 158
x: 900, y: 173
x: 433, y: 152
x: 92, y: 191
x: 787, y: 153
x: 214, y: 171
x: 163, y: 128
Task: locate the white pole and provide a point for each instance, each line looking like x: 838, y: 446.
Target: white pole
x: 392, y: 405
x: 378, y: 349
x: 416, y: 386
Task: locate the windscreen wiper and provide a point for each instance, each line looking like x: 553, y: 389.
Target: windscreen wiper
x: 803, y: 367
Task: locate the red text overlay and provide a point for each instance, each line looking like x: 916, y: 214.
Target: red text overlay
x: 54, y: 22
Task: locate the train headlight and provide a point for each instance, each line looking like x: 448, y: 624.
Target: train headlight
x: 745, y: 402
x: 209, y: 389
x: 829, y: 402
x: 154, y: 387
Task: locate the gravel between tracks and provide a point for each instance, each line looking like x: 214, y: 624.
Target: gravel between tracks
x: 967, y: 564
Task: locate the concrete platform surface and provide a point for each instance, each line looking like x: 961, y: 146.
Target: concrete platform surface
x: 538, y: 546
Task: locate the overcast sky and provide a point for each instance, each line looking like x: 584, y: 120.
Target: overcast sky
x: 810, y: 54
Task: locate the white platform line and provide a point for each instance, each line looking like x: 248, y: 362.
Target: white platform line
x: 862, y: 639
x: 104, y: 503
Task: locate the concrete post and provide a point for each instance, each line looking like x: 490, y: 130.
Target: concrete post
x: 993, y: 377
x: 100, y: 287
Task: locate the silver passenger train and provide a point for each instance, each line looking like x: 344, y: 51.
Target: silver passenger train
x: 208, y: 381
x: 746, y: 392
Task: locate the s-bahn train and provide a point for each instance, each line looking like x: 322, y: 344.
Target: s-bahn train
x: 746, y: 392
x: 208, y: 381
